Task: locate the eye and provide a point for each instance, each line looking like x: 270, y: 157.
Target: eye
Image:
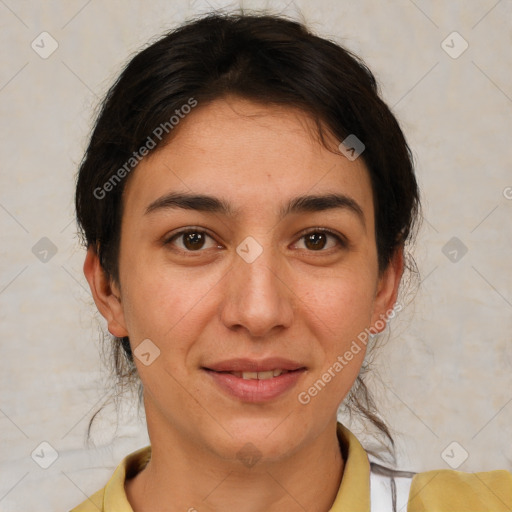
x: 192, y: 240
x: 195, y: 240
x: 316, y: 240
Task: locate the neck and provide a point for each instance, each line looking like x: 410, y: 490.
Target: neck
x: 182, y: 477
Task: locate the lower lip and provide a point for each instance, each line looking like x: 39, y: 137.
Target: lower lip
x: 255, y: 390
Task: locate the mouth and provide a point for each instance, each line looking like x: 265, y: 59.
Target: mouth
x: 270, y: 374
x: 255, y: 382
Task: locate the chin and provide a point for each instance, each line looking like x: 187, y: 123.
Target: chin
x: 258, y: 440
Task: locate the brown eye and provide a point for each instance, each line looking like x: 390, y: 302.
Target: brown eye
x: 191, y: 240
x: 315, y: 241
x: 318, y: 240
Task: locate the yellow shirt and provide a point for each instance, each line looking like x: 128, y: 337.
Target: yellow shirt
x: 433, y: 491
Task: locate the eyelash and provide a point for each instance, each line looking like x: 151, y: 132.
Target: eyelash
x: 342, y: 242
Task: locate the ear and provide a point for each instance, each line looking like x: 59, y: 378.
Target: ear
x: 387, y: 290
x: 106, y: 294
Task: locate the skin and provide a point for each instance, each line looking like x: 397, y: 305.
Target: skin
x: 295, y: 301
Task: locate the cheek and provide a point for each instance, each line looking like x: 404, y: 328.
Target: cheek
x: 165, y: 304
x: 340, y: 305
x: 338, y: 317
x: 169, y: 310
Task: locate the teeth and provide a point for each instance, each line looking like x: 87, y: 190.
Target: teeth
x: 259, y: 375
x: 265, y: 375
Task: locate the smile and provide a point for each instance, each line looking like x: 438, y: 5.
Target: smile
x: 249, y: 385
x: 259, y: 375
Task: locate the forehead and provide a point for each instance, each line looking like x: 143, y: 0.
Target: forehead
x: 252, y: 155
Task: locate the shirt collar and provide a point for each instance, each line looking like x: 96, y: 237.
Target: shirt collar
x: 353, y: 494
x: 354, y: 491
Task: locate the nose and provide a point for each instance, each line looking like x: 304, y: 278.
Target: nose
x: 259, y: 296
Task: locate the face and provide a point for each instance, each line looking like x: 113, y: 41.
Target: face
x: 252, y: 300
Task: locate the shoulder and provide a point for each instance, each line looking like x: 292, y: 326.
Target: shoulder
x: 451, y: 490
x: 112, y: 498
x: 441, y: 490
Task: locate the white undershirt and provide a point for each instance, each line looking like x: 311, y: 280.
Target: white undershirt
x: 380, y: 493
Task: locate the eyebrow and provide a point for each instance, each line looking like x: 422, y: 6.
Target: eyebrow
x: 300, y: 204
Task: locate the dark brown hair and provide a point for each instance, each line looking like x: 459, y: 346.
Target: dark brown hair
x: 267, y: 59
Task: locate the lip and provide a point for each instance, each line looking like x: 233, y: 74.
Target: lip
x: 253, y: 365
x: 255, y: 390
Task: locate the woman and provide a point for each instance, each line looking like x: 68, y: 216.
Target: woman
x: 246, y: 199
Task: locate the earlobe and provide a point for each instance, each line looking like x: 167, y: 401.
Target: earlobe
x: 105, y: 294
x: 387, y: 290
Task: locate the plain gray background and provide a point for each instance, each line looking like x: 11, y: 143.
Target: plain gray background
x: 446, y: 370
